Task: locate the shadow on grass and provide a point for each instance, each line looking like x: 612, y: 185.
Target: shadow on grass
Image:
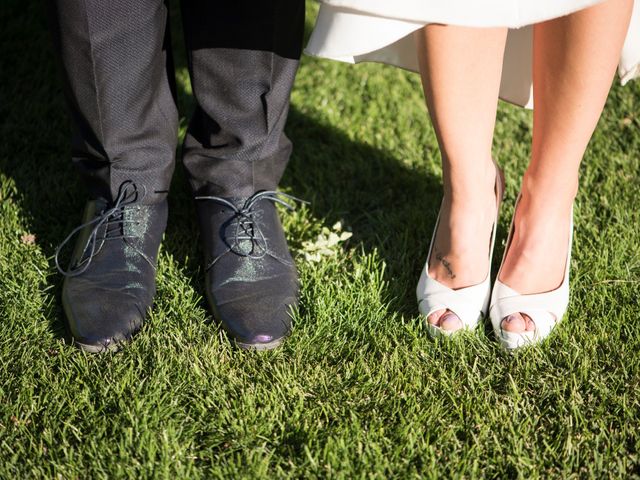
x: 389, y: 206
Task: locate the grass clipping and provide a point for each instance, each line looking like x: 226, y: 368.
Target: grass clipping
x: 326, y: 244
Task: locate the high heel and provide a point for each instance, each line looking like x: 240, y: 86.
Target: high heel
x: 470, y: 304
x: 546, y: 309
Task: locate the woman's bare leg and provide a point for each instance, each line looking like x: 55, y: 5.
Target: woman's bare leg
x: 461, y: 69
x: 574, y: 61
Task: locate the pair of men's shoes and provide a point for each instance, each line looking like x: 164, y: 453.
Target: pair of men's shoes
x: 251, y: 279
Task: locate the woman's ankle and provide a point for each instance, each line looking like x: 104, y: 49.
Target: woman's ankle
x: 544, y: 191
x: 470, y: 185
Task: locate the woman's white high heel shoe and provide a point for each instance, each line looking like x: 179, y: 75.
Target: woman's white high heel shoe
x: 470, y: 304
x: 546, y: 309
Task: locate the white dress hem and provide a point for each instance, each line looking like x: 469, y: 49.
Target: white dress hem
x: 347, y: 32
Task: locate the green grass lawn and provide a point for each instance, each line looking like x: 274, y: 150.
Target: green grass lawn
x: 359, y: 390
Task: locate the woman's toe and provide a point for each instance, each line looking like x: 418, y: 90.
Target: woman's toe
x: 530, y: 325
x: 450, y: 321
x: 434, y: 318
x: 514, y: 323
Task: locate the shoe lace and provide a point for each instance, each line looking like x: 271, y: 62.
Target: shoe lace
x: 247, y: 217
x: 111, y: 218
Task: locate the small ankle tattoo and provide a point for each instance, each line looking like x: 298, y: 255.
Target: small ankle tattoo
x: 446, y: 264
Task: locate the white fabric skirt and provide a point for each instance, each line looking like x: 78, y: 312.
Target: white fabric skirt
x: 382, y: 31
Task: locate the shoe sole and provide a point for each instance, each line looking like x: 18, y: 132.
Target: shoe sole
x: 260, y: 346
x: 113, y: 347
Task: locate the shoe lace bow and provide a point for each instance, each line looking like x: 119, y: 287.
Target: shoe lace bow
x: 248, y: 239
x: 112, y: 219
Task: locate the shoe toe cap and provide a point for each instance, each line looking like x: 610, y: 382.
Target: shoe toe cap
x: 261, y: 324
x: 100, y: 323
